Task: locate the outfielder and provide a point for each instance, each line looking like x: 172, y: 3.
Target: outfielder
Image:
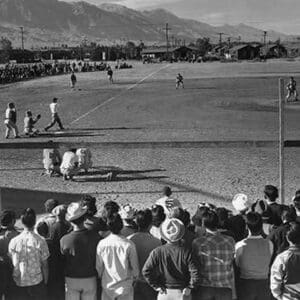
x: 179, y: 81
x: 292, y: 91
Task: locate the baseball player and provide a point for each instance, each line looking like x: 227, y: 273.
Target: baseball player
x: 11, y: 120
x: 110, y: 74
x: 84, y: 157
x: 69, y: 165
x: 292, y: 91
x: 51, y: 161
x: 55, y: 116
x: 179, y: 81
x: 29, y: 122
x: 73, y: 80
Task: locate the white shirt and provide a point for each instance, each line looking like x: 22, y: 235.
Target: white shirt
x: 168, y: 203
x: 7, y: 113
x: 117, y: 265
x: 68, y: 161
x: 53, y: 108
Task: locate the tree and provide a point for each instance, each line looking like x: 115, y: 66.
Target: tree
x: 204, y: 45
x: 5, y: 49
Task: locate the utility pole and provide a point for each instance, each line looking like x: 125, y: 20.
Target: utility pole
x: 220, y: 38
x: 22, y: 37
x: 167, y: 29
x: 229, y: 40
x: 265, y: 37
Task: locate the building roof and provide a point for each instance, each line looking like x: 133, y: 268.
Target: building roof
x: 239, y: 47
x: 164, y: 49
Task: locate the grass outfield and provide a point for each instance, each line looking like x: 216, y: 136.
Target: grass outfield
x: 221, y: 102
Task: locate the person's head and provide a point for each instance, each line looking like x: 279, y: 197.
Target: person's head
x: 172, y: 230
x: 180, y: 214
x: 76, y: 213
x: 293, y: 235
x: 114, y: 223
x: 296, y: 203
x: 241, y: 203
x: 54, y: 100
x: 28, y: 218
x: 223, y: 216
x: 60, y: 211
x: 110, y: 207
x: 297, y: 194
x: 210, y: 220
x: 73, y: 150
x: 7, y: 218
x: 11, y: 105
x: 28, y: 113
x: 143, y: 220
x: 288, y: 214
x: 197, y: 218
x: 291, y: 78
x: 42, y: 229
x: 271, y: 193
x: 50, y: 204
x: 90, y: 203
x: 158, y: 215
x: 167, y: 191
x: 254, y: 223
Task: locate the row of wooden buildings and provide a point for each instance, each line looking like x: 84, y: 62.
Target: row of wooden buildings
x: 238, y: 52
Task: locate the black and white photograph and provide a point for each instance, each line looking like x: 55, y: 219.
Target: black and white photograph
x: 150, y: 150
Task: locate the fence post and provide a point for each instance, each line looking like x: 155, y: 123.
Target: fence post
x: 281, y: 138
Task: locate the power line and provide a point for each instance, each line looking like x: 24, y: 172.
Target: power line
x: 22, y: 37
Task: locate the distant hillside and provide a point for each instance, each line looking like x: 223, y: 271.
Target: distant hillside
x: 49, y: 22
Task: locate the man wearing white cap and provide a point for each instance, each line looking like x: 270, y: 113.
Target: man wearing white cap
x: 171, y: 269
x: 237, y: 223
x: 79, y: 251
x: 127, y: 214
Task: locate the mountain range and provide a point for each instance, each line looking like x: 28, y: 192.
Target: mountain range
x: 53, y: 22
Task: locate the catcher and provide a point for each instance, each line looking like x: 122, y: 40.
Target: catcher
x: 51, y: 161
x: 29, y: 122
x: 84, y: 156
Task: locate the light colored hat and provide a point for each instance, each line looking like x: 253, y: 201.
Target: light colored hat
x: 172, y: 230
x: 127, y: 212
x: 241, y: 202
x: 75, y: 211
x: 59, y: 210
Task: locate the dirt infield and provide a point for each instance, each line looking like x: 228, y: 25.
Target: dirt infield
x: 221, y: 102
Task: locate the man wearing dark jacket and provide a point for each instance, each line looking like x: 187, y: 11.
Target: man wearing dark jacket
x: 171, y: 269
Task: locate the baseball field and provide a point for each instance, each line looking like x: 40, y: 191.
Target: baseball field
x: 208, y: 141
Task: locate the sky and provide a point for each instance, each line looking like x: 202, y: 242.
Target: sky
x: 278, y: 15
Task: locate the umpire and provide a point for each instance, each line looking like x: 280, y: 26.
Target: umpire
x: 55, y: 117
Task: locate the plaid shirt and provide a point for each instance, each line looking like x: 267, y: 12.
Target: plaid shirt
x: 215, y: 253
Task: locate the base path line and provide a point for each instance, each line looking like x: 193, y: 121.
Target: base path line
x: 120, y: 94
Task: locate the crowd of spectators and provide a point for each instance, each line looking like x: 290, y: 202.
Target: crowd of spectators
x: 112, y: 252
x: 18, y: 72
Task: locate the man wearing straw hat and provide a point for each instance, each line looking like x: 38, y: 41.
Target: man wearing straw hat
x: 171, y: 269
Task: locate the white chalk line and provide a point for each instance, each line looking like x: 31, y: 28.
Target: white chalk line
x: 120, y: 94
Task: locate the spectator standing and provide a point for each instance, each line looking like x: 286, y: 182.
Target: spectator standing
x: 168, y: 202
x: 54, y: 114
x: 79, y: 252
x: 144, y: 243
x: 237, y: 223
x: 278, y: 235
x: 215, y: 254
x: 158, y: 216
x: 127, y: 214
x: 271, y: 195
x: 296, y: 203
x: 29, y: 253
x: 11, y: 120
x: 171, y: 269
x: 253, y: 258
x: 285, y: 275
x: 184, y: 217
x: 117, y: 262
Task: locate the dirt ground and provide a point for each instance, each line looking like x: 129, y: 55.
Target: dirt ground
x: 220, y: 102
